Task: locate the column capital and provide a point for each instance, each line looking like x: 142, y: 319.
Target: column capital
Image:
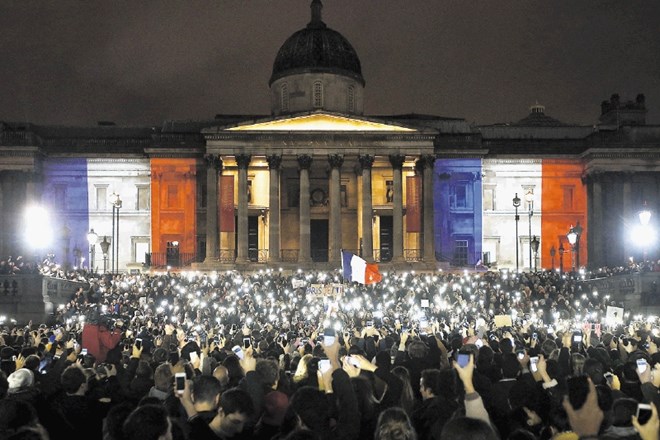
x: 274, y: 161
x: 397, y: 161
x: 213, y: 161
x: 304, y: 161
x: 243, y: 160
x: 335, y: 160
x: 366, y: 161
x: 429, y: 160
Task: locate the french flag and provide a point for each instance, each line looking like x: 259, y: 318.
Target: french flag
x: 357, y: 269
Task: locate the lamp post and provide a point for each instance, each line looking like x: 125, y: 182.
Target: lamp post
x: 535, y: 247
x: 553, y: 252
x: 77, y: 254
x: 561, y: 257
x: 573, y: 236
x: 105, y: 245
x: 516, y: 204
x: 92, y: 238
x: 529, y: 197
x: 116, y: 202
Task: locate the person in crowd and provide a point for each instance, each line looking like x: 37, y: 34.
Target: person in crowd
x: 148, y: 422
x: 394, y: 424
x: 389, y: 374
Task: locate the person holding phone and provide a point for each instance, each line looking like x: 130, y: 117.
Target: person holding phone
x: 474, y: 405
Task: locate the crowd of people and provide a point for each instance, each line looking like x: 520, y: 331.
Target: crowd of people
x: 305, y: 355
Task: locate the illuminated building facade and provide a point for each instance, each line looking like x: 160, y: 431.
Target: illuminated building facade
x: 317, y: 175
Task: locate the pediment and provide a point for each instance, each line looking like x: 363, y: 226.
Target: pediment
x: 321, y: 122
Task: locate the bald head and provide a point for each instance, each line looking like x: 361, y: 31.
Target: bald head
x: 222, y: 374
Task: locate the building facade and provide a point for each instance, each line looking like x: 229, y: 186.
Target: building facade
x: 316, y: 176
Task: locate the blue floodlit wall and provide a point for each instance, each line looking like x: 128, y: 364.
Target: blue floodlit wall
x: 458, y: 210
x: 65, y: 194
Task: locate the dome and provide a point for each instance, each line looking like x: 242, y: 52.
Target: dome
x: 317, y: 49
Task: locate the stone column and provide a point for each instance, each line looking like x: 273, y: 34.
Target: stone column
x: 335, y: 161
x: 428, y: 242
x: 213, y: 166
x: 367, y: 162
x: 304, y: 253
x: 629, y: 212
x: 595, y: 231
x: 397, y: 209
x: 274, y: 164
x: 243, y: 162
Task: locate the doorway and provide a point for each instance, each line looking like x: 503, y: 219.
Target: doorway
x: 319, y: 240
x: 386, y: 238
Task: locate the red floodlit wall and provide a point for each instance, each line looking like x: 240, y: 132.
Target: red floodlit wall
x: 564, y: 202
x: 173, y: 204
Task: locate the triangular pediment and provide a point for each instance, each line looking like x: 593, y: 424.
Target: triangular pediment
x: 320, y: 122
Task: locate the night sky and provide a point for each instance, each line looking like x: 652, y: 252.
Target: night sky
x: 143, y: 62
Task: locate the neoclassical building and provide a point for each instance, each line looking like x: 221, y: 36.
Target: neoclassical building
x: 293, y: 188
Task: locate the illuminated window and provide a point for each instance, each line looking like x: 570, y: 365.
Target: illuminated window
x: 284, y: 97
x: 389, y: 191
x: 101, y: 198
x: 143, y: 198
x: 351, y: 99
x: 568, y: 197
x: 460, y: 195
x: 318, y: 94
x: 461, y: 253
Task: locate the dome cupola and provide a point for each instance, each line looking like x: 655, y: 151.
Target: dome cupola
x: 316, y: 68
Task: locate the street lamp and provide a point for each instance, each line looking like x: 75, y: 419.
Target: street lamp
x: 77, y: 254
x: 529, y: 197
x: 573, y: 236
x: 644, y: 233
x: 561, y: 257
x: 516, y: 204
x: 535, y: 247
x: 105, y: 245
x: 553, y: 252
x: 92, y: 238
x: 116, y: 205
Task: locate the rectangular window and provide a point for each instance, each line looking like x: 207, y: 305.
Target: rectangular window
x: 293, y: 193
x: 351, y: 99
x: 318, y: 94
x: 460, y: 196
x: 59, y: 196
x: 489, y: 199
x: 141, y: 249
x: 568, y: 197
x: 101, y: 198
x: 461, y: 253
x: 284, y: 97
x: 343, y: 194
x: 143, y: 198
x: 201, y: 193
x: 172, y: 196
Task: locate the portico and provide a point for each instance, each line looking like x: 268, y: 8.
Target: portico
x: 319, y: 183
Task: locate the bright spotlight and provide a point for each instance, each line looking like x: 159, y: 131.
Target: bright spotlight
x: 643, y: 235
x: 38, y: 228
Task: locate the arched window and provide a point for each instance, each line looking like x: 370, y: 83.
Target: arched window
x: 318, y: 94
x: 351, y: 99
x: 284, y: 97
